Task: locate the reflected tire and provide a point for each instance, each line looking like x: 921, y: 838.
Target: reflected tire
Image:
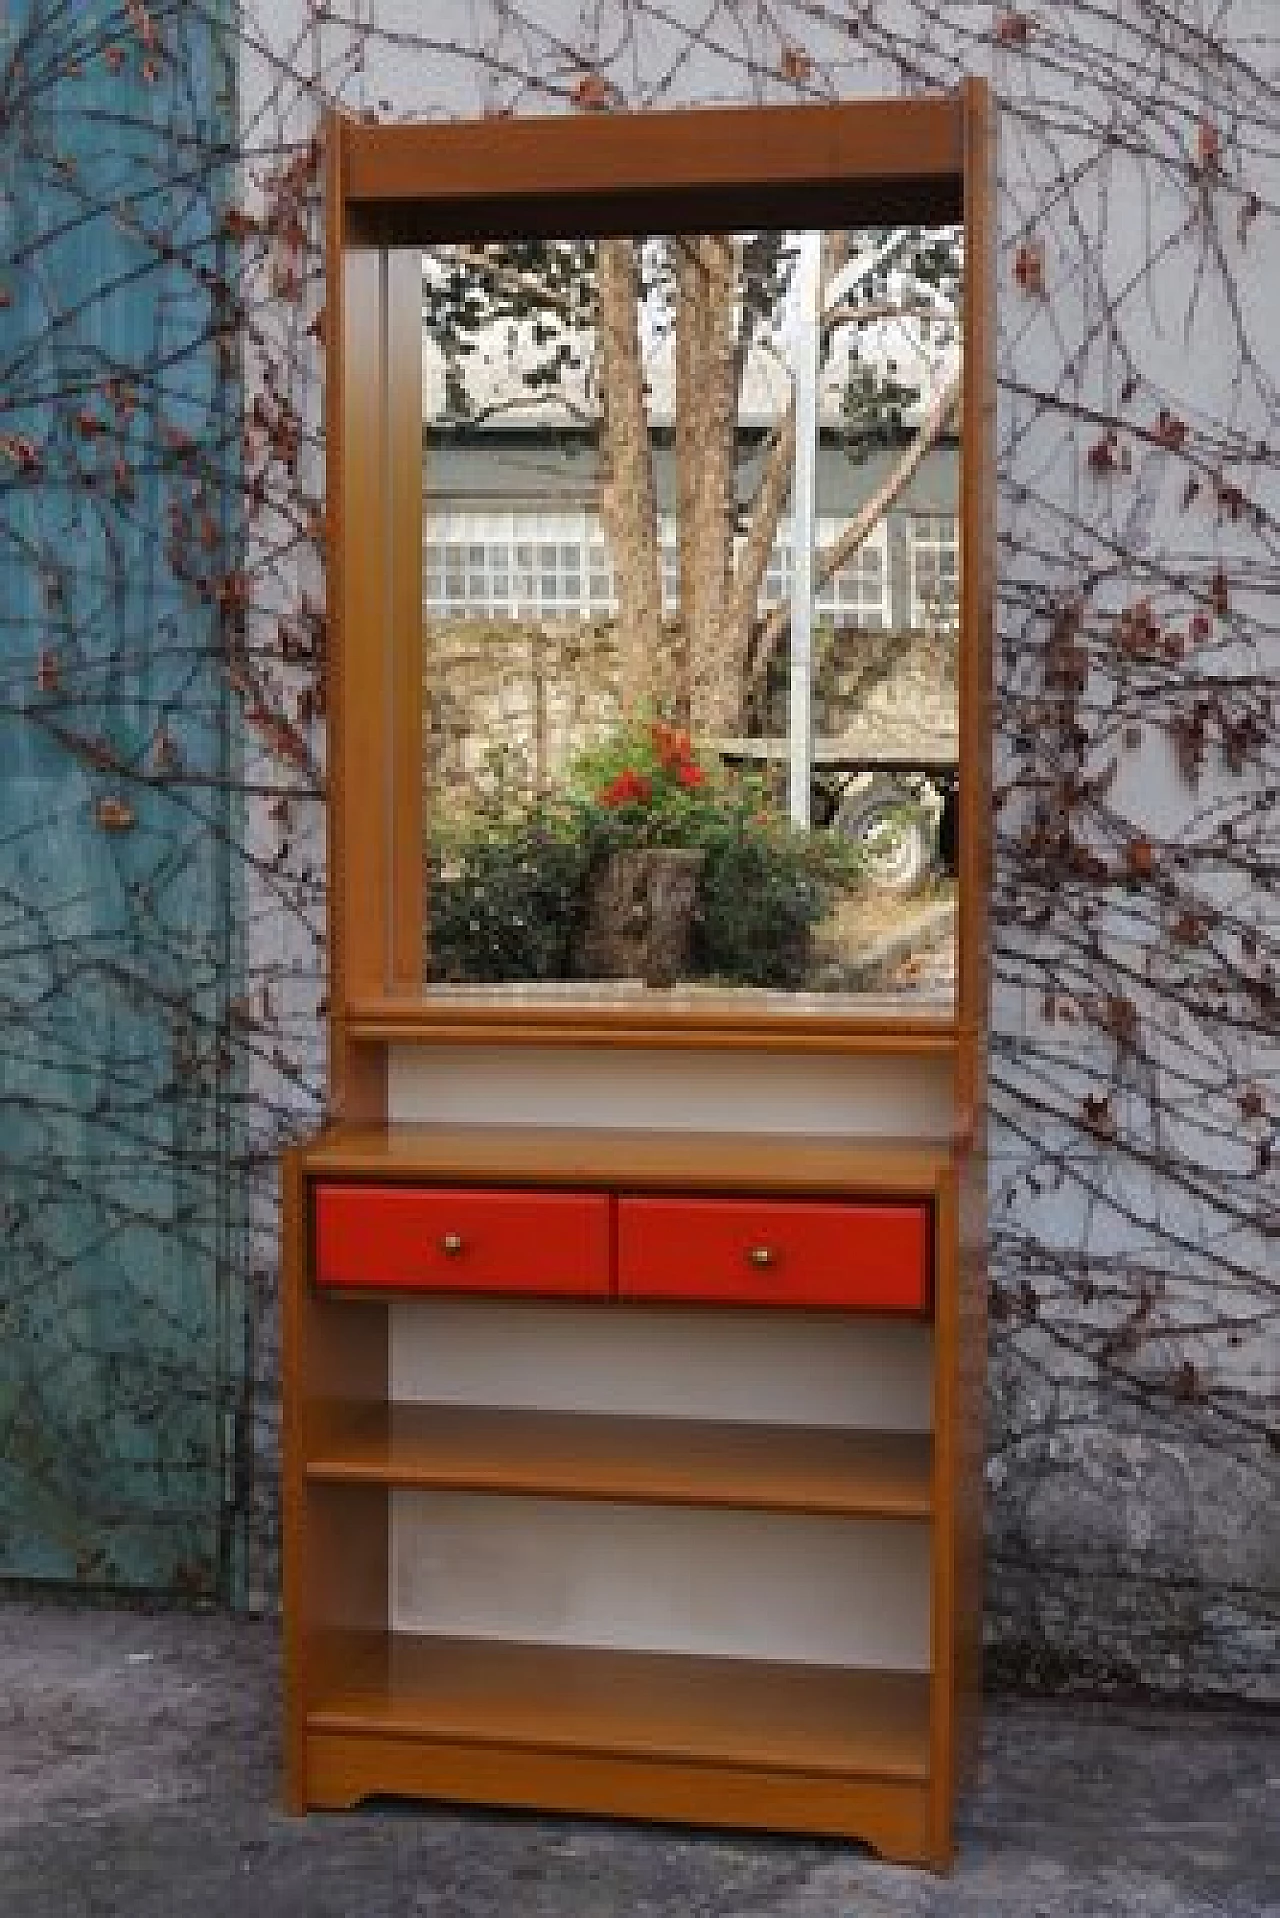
x: 895, y: 835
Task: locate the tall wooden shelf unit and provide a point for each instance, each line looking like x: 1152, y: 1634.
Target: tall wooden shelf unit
x: 629, y: 1472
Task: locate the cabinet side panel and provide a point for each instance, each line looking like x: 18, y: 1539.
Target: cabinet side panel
x: 357, y: 1076
x: 970, y: 1459
x: 947, y: 1441
x: 404, y: 561
x: 348, y: 1566
x: 971, y: 1090
x: 292, y: 1260
x: 335, y: 1550
x: 977, y: 560
x: 357, y: 597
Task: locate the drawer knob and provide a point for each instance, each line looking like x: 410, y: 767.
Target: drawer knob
x: 451, y: 1244
x: 762, y: 1256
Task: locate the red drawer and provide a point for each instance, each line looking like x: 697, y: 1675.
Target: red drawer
x: 873, y: 1258
x: 439, y: 1239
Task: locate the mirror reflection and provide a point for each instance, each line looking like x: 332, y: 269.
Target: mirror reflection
x: 691, y: 614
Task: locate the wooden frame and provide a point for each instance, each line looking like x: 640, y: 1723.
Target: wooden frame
x: 399, y: 186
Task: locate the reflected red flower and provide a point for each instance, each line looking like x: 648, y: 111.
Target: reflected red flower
x: 629, y: 788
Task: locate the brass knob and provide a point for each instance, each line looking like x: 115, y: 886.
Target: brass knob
x: 451, y: 1244
x: 762, y: 1255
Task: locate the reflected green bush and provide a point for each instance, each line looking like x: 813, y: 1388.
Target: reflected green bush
x: 510, y: 885
x: 505, y: 896
x: 764, y: 887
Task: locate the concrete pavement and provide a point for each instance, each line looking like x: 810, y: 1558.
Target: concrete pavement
x: 139, y: 1774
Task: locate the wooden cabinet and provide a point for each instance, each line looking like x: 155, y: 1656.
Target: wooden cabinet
x: 627, y: 1546
x: 629, y: 1472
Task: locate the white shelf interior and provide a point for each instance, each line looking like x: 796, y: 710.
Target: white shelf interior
x: 851, y: 1591
x: 767, y: 1368
x: 674, y: 1090
x: 828, y: 1591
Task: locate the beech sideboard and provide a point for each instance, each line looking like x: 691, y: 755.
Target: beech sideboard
x: 636, y: 1471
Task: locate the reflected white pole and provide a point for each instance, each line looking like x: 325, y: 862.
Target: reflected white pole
x: 803, y: 513
x: 804, y: 490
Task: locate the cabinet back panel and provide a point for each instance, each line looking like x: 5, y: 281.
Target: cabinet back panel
x: 661, y: 1578
x: 792, y: 1368
x: 676, y: 1091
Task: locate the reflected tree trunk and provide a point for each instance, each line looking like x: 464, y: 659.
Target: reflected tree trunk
x: 628, y: 494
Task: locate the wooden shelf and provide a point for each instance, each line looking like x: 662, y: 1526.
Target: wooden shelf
x: 633, y: 1161
x: 818, y: 1720
x: 657, y: 1460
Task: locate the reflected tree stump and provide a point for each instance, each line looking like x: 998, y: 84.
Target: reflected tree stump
x: 640, y: 916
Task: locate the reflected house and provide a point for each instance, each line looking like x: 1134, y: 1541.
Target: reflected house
x: 519, y: 593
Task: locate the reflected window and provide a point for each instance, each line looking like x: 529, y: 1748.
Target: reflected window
x: 934, y: 548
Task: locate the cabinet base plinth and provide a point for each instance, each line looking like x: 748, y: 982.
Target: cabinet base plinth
x: 892, y: 1816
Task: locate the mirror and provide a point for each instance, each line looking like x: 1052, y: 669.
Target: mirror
x: 691, y: 616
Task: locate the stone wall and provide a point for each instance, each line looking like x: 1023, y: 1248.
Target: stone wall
x: 510, y: 702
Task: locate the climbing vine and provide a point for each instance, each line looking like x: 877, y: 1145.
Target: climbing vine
x: 164, y: 686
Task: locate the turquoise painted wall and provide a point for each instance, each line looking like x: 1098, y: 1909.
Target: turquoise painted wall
x: 121, y: 1237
